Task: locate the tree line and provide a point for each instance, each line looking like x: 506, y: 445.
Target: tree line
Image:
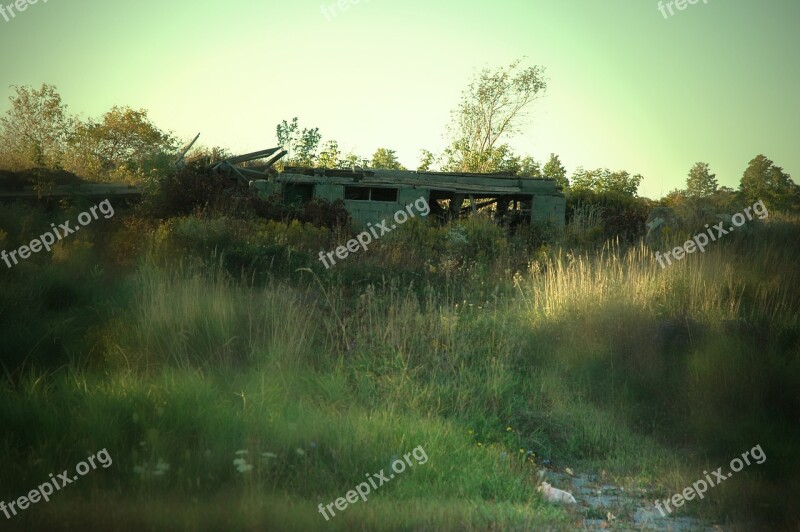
x: 124, y: 145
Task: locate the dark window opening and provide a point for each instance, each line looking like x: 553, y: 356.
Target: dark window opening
x: 356, y: 193
x: 371, y: 194
x: 298, y: 193
x: 384, y: 194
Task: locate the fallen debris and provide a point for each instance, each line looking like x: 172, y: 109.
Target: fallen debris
x: 552, y: 494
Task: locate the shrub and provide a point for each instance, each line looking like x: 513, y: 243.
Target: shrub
x: 317, y: 212
x: 622, y: 216
x: 188, y: 191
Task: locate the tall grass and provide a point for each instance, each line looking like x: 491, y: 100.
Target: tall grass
x: 702, y: 353
x: 600, y: 361
x: 199, y: 318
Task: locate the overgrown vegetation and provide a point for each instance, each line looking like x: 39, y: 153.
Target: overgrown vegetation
x: 186, y: 339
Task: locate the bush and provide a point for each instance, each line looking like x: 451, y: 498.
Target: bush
x: 621, y: 216
x: 479, y: 238
x: 186, y: 192
x: 317, y: 212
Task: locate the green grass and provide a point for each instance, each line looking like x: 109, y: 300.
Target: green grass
x: 601, y: 362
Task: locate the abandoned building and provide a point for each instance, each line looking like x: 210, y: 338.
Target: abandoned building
x: 371, y: 195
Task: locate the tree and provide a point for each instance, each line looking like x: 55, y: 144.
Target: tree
x: 492, y: 108
x: 330, y: 156
x: 124, y: 143
x: 701, y: 182
x: 555, y: 170
x: 501, y: 158
x: 583, y: 179
x: 529, y: 167
x: 604, y: 180
x: 385, y: 158
x: 35, y: 131
x: 762, y: 180
x: 427, y: 161
x: 351, y: 160
x: 301, y: 145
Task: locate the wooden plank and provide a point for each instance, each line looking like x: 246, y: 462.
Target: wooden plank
x: 278, y: 156
x: 251, y: 156
x: 186, y: 150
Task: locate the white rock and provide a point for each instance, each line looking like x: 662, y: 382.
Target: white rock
x: 552, y: 494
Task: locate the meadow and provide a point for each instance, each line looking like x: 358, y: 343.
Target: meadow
x: 183, y: 344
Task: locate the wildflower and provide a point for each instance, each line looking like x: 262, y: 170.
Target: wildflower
x: 300, y: 452
x: 313, y: 445
x: 239, y: 462
x: 503, y: 455
x: 241, y: 452
x: 509, y: 429
x: 479, y: 444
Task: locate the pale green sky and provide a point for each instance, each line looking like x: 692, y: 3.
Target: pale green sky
x: 628, y: 89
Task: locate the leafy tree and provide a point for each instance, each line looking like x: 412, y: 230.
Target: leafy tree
x: 762, y: 180
x: 351, y: 160
x: 529, y: 167
x: 492, y: 108
x: 124, y: 143
x: 604, y: 180
x: 583, y: 179
x: 385, y: 158
x: 675, y: 198
x: 555, y: 170
x: 427, y: 161
x: 701, y: 182
x: 330, y: 156
x: 301, y: 144
x: 501, y: 158
x: 36, y: 130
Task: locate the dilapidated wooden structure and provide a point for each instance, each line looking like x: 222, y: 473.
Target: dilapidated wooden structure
x: 371, y: 195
